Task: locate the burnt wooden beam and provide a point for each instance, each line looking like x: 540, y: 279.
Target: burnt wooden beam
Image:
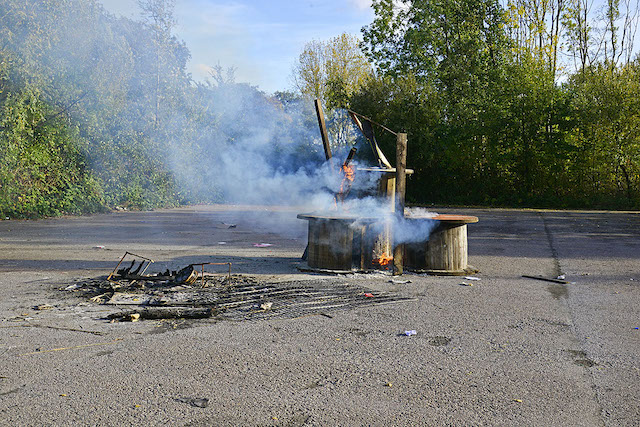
x: 323, y: 129
x: 352, y: 153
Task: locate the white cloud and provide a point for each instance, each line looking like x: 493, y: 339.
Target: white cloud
x: 361, y: 4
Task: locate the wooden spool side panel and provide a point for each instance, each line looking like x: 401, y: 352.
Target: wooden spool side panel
x: 330, y: 245
x: 447, y: 249
x: 414, y: 255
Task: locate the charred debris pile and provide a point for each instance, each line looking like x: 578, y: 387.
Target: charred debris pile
x: 193, y: 293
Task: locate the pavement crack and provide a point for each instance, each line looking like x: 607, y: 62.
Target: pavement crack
x: 562, y: 291
x: 554, y: 253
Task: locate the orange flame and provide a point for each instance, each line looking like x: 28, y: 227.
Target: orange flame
x: 383, y: 261
x: 345, y: 186
x: 349, y: 173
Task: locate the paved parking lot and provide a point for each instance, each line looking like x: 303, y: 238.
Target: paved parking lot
x: 506, y: 351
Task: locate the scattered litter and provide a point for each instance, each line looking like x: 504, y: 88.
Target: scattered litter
x: 472, y: 278
x: 222, y: 243
x: 266, y: 306
x: 466, y: 284
x: 98, y: 247
x: 409, y: 333
x: 517, y: 400
x: 196, y: 402
x: 564, y: 282
x: 561, y: 277
x: 73, y: 287
x: 43, y: 307
x: 388, y: 385
x: 399, y: 282
x: 368, y: 295
x: 134, y: 317
x: 63, y: 395
x: 262, y: 245
x: 636, y: 328
x: 6, y: 218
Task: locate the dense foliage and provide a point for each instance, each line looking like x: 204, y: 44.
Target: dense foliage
x: 493, y: 116
x: 536, y: 103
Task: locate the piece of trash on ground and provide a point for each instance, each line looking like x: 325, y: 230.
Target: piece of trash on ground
x: 196, y: 402
x: 368, y: 295
x: 222, y: 243
x: 409, y: 333
x: 562, y: 281
x: 466, y: 284
x: 472, y: 278
x: 262, y: 245
x: 266, y: 306
x: 98, y: 247
x: 43, y: 307
x: 561, y: 277
x: 73, y: 287
x: 225, y: 225
x: 517, y: 400
x: 399, y: 282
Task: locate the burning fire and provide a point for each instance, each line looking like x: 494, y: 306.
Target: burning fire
x: 383, y: 261
x: 349, y: 175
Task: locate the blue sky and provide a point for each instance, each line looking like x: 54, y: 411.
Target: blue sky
x: 262, y: 39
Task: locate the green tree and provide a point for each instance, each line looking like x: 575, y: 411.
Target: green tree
x: 333, y: 71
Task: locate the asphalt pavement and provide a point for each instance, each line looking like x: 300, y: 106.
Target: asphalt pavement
x: 506, y: 351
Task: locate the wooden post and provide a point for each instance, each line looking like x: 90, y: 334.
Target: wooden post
x: 323, y: 129
x: 401, y: 185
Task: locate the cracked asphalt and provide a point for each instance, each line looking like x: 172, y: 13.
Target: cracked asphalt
x: 507, y: 351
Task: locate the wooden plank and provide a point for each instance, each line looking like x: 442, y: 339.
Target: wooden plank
x: 401, y: 184
x: 323, y: 129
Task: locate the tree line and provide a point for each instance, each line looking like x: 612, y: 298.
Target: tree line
x: 530, y: 103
